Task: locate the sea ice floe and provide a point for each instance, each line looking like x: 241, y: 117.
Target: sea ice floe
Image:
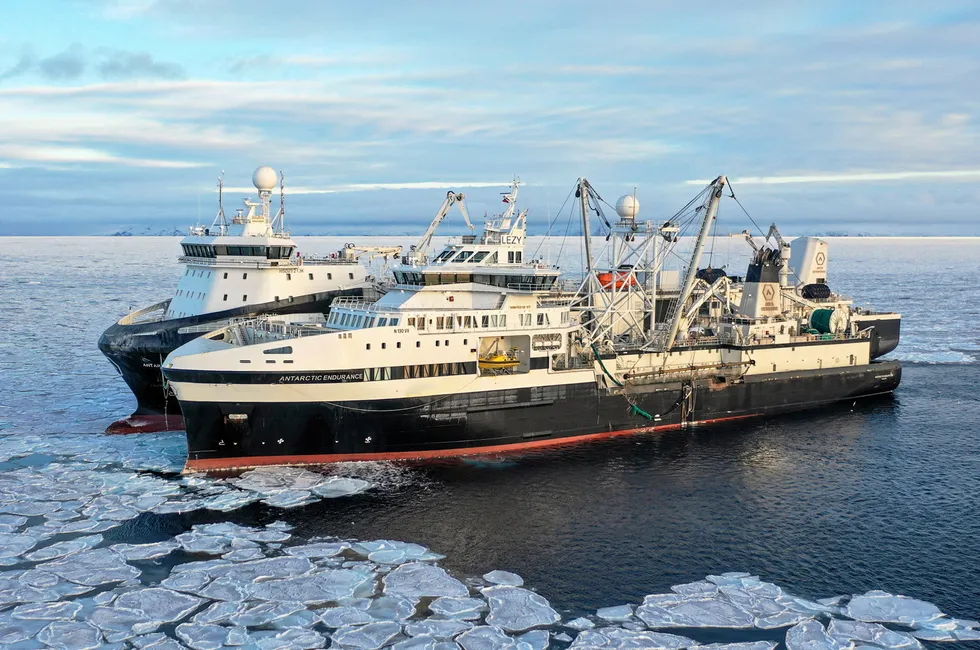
x: 261, y: 569
x: 580, y: 624
x: 366, y: 637
x: 158, y: 604
x: 202, y: 637
x: 224, y: 588
x: 290, y: 499
x: 244, y: 554
x: 613, y: 638
x: 292, y: 639
x: 151, y: 551
x: 437, y: 629
x: 92, y: 568
x: 155, y: 641
x: 386, y: 551
x: 883, y: 607
x: 340, y: 486
x: 63, y: 549
x: 536, y: 639
x: 13, y: 546
x: 317, y: 550
x: 458, y: 608
x: 415, y: 643
x: 70, y: 635
x: 515, y: 609
x: 845, y: 632
x: 504, y: 578
x: 811, y: 635
x: 219, y: 612
x: 710, y: 612
x: 618, y: 614
x: 264, y: 613
x: 59, y: 611
x: 392, y: 608
x: 345, y: 617
x: 741, y: 645
x: 698, y: 588
x: 489, y: 637
x: 419, y: 580
x: 323, y: 587
x: 10, y: 523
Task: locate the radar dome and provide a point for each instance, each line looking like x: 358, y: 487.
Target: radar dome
x: 628, y: 206
x: 265, y: 179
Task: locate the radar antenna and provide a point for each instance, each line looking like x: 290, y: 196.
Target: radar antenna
x: 279, y: 222
x: 219, y: 220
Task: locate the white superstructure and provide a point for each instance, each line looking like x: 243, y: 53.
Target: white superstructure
x: 250, y: 259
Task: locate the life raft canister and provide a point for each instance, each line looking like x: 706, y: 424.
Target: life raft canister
x: 622, y: 279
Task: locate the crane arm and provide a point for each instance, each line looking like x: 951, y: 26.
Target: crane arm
x: 451, y: 199
x: 352, y: 252
x: 774, y: 233
x: 748, y: 238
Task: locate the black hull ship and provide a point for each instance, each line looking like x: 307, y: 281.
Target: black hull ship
x: 464, y: 357
x: 137, y: 347
x: 497, y: 421
x: 248, y: 261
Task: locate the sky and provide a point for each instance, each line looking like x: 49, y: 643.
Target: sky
x: 830, y: 117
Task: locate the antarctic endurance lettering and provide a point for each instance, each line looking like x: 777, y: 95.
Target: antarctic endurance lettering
x: 323, y: 378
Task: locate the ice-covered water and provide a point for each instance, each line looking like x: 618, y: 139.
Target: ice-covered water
x: 622, y: 544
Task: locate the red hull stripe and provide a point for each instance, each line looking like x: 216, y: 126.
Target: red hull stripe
x: 245, y: 462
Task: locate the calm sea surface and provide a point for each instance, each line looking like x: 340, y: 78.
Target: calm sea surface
x: 884, y: 494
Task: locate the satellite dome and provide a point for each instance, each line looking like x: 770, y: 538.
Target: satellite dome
x: 265, y: 179
x: 628, y: 206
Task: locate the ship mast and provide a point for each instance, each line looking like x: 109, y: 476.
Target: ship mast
x: 690, y: 276
x: 589, y: 288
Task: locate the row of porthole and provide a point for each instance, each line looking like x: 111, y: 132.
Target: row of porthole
x: 289, y: 276
x: 418, y: 344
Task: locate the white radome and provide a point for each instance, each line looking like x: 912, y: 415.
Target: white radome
x: 628, y: 206
x: 265, y: 179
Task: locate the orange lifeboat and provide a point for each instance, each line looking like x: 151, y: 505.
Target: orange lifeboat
x: 621, y: 279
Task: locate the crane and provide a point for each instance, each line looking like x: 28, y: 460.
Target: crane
x: 352, y: 252
x: 782, y: 246
x: 452, y: 198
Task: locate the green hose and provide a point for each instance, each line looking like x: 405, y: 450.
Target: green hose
x: 603, y: 366
x: 638, y: 411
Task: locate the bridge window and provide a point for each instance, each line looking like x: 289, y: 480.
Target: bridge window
x: 510, y: 257
x: 445, y: 255
x: 283, y: 350
x: 462, y: 257
x: 479, y: 257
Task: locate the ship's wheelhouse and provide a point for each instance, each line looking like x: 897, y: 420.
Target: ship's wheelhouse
x: 212, y: 251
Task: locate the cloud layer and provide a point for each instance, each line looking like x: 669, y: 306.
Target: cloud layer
x: 838, y: 117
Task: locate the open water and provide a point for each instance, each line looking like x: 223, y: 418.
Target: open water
x: 881, y: 495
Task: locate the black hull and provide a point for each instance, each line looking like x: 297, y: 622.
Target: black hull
x: 310, y: 433
x: 138, y: 350
x: 885, y: 335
